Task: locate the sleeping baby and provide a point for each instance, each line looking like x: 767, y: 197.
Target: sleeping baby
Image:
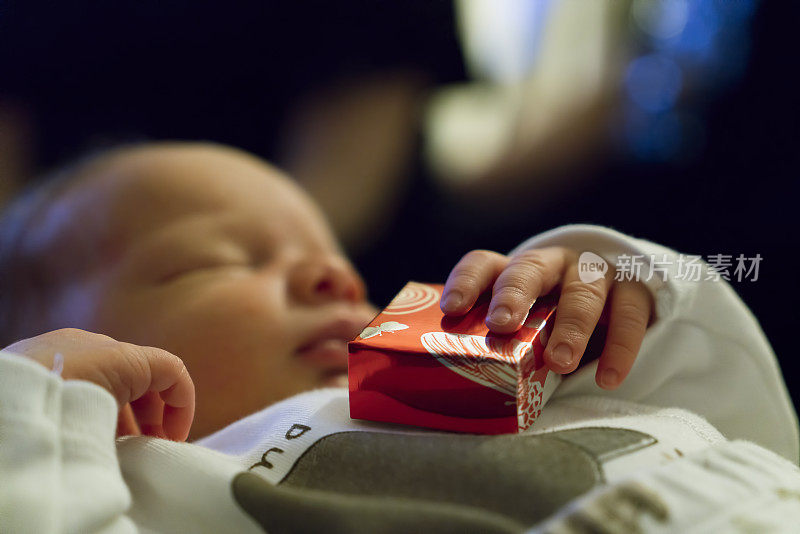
x: 153, y: 275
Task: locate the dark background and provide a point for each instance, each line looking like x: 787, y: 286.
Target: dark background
x: 94, y: 73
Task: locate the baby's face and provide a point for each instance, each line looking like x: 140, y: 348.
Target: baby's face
x: 217, y: 258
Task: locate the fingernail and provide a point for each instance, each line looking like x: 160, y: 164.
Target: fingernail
x: 609, y: 378
x: 452, y: 301
x: 561, y: 355
x: 500, y: 315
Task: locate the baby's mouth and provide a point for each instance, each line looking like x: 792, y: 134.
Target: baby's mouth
x: 328, y: 353
x: 325, y: 345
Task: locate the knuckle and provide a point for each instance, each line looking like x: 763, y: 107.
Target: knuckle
x: 465, y: 276
x: 76, y: 335
x: 79, y: 341
x: 183, y: 373
x: 580, y: 312
x: 522, y: 279
x: 531, y: 259
x: 135, y: 359
x: 480, y: 255
x: 620, y: 351
x: 469, y: 262
x: 575, y: 329
x: 513, y: 286
x: 589, y: 294
x: 71, y: 332
x: 165, y: 356
x: 140, y: 360
x: 629, y: 317
x: 471, y: 268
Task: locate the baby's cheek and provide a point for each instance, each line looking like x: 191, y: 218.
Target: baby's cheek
x: 258, y: 309
x: 234, y: 349
x: 231, y: 303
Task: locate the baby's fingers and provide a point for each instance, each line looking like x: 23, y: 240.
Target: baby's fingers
x: 528, y: 275
x: 579, y: 308
x: 471, y: 276
x: 126, y: 422
x: 631, y: 307
x: 149, y: 411
x: 169, y: 379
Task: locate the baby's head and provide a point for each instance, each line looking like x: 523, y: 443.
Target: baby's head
x: 202, y: 250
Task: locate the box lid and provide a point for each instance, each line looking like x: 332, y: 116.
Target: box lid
x: 414, y: 323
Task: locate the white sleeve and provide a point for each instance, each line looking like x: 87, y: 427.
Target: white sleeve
x: 705, y: 352
x: 58, y: 460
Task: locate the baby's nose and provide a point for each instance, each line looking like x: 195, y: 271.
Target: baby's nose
x: 315, y: 281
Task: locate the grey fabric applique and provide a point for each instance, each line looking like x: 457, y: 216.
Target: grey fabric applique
x: 384, y: 482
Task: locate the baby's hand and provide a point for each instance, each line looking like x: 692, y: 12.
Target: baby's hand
x: 519, y: 279
x: 152, y: 386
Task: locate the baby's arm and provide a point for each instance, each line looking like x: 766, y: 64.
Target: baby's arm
x: 704, y: 351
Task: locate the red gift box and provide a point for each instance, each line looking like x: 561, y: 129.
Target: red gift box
x: 413, y: 365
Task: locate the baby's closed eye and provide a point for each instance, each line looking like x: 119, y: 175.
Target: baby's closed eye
x: 202, y: 267
x: 218, y: 260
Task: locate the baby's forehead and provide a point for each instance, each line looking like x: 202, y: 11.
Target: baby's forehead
x: 133, y: 193
x: 167, y: 181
